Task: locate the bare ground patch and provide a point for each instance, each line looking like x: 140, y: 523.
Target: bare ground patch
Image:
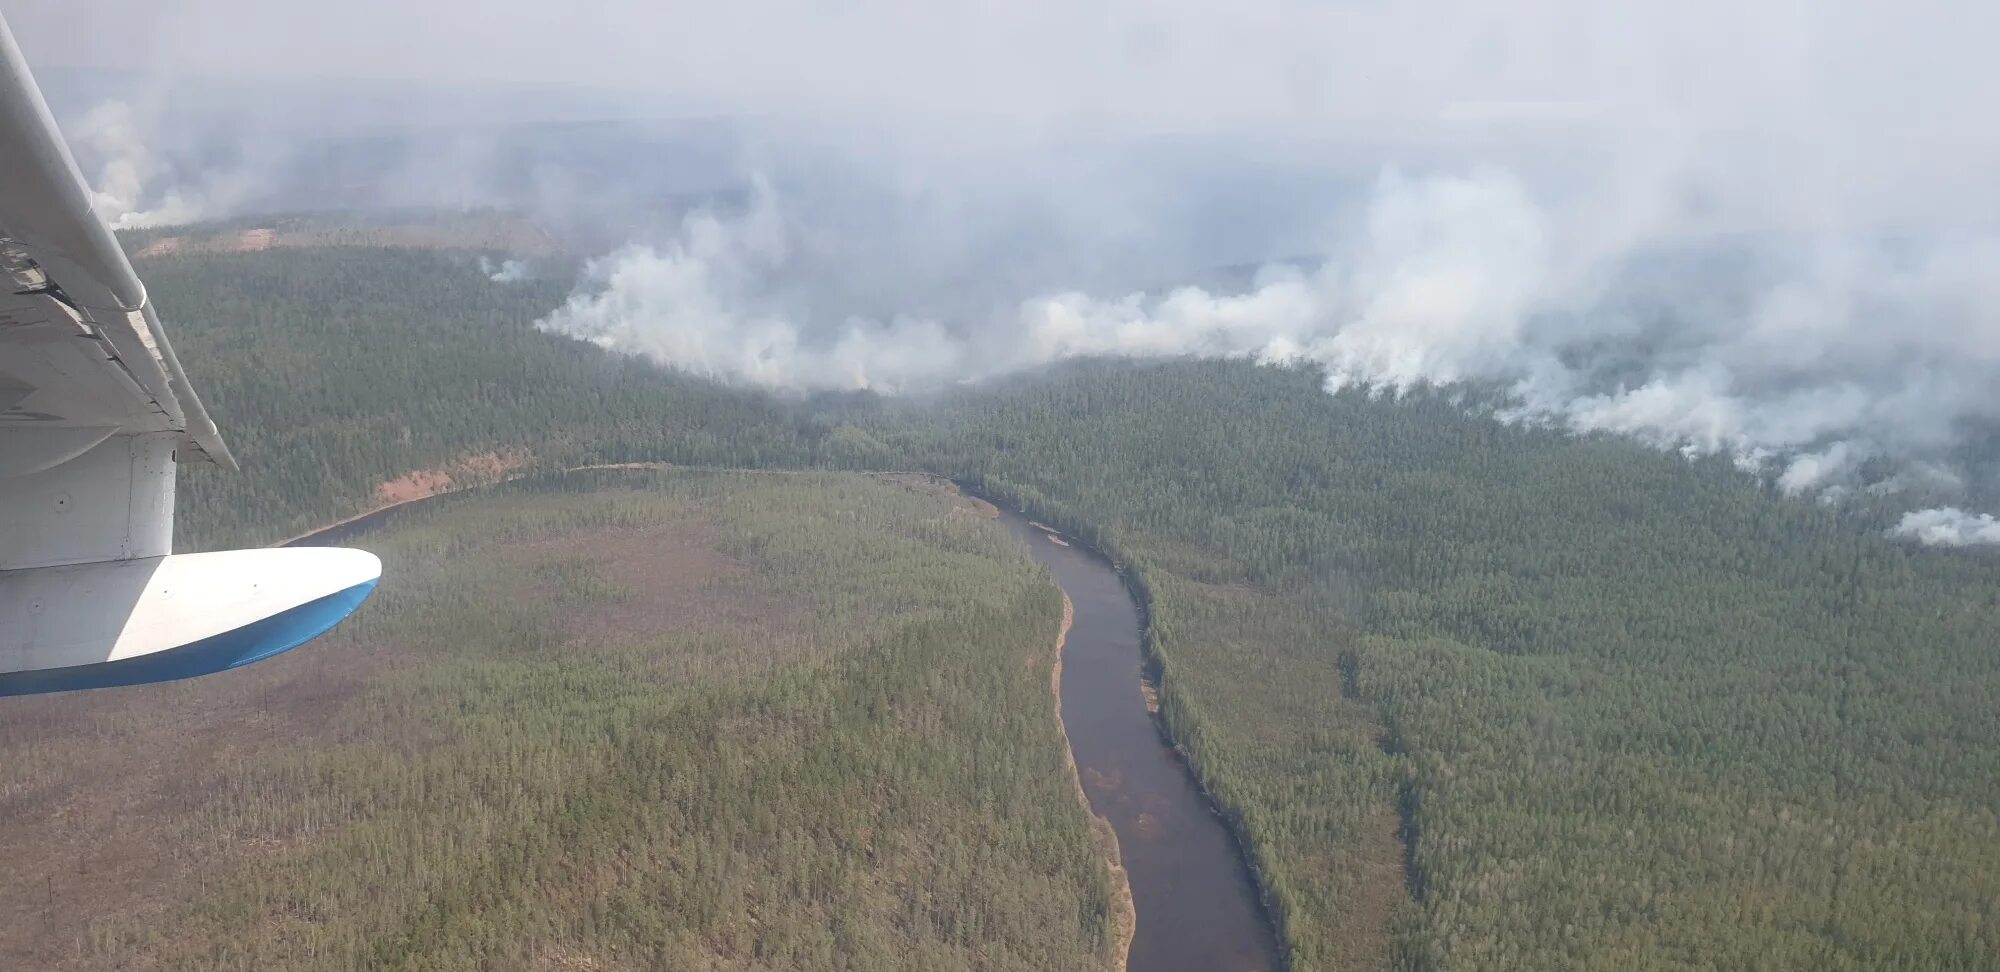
x: 474, y: 470
x: 252, y: 240
x: 497, y: 232
x: 482, y: 469
x: 164, y: 246
x: 671, y: 578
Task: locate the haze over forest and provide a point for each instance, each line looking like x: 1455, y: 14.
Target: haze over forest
x: 1765, y: 234
x: 1551, y: 449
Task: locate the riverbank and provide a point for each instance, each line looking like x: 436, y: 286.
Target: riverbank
x: 1133, y: 586
x: 1198, y: 905
x: 1124, y: 917
x: 446, y: 486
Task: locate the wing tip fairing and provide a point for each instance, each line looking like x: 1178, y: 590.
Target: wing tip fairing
x: 118, y: 623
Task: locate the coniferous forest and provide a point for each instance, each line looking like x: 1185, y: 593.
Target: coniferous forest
x: 623, y: 720
x: 1629, y: 711
x: 1475, y: 696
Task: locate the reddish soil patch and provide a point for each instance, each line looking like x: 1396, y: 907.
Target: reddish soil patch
x: 161, y: 247
x: 484, y: 469
x: 503, y: 233
x: 477, y: 470
x: 252, y: 240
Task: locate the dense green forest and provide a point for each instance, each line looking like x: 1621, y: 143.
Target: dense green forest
x: 1636, y: 712
x: 674, y: 721
x: 1479, y: 696
x: 337, y: 368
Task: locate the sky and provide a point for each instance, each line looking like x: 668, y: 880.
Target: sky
x: 1765, y: 230
x: 1832, y: 111
x: 1836, y: 107
x: 1915, y: 69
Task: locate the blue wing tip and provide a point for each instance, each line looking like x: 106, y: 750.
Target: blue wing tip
x: 253, y: 642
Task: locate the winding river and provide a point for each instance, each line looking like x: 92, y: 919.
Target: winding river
x: 1198, y: 905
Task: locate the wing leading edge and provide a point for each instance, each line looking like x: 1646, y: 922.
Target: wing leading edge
x: 95, y: 413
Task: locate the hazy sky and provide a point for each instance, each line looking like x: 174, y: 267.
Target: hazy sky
x: 1911, y: 69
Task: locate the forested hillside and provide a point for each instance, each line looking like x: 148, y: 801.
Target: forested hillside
x: 1480, y: 696
x: 632, y: 721
x: 335, y: 369
x: 1635, y: 712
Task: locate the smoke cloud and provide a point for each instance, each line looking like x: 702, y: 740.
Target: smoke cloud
x: 702, y: 304
x: 1847, y: 356
x: 1949, y: 527
x: 506, y: 271
x: 146, y: 171
x: 127, y: 191
x: 1767, y: 232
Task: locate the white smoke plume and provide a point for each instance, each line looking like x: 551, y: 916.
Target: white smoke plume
x: 506, y: 271
x: 129, y: 174
x: 1950, y: 526
x: 698, y: 304
x: 1853, y: 351
x: 1763, y: 231
x: 137, y: 185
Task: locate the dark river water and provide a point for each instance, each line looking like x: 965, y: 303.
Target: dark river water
x: 1198, y: 906
x: 348, y: 530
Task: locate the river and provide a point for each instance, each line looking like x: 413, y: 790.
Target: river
x: 1198, y: 906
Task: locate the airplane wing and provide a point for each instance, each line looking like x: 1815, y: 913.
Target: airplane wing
x: 95, y: 413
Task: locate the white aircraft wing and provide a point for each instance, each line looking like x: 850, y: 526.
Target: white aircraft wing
x: 95, y: 413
